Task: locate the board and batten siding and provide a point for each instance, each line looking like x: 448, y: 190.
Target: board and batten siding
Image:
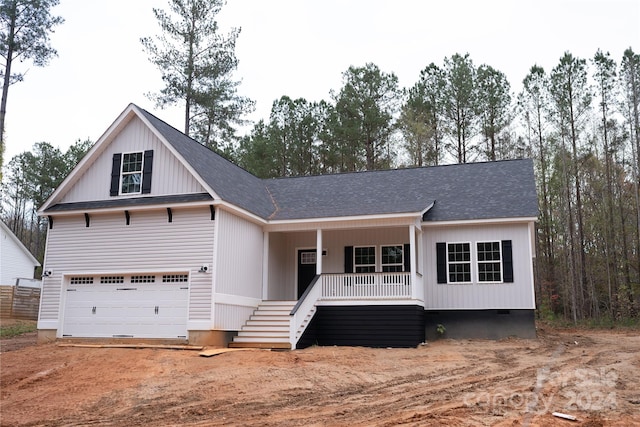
x: 169, y: 174
x: 474, y: 295
x: 238, y: 269
x: 149, y: 244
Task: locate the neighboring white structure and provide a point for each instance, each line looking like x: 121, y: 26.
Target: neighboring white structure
x: 155, y: 236
x: 16, y: 262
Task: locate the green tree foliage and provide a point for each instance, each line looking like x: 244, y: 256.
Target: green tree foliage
x: 32, y: 176
x: 197, y: 63
x: 25, y: 26
x: 421, y: 118
x: 571, y: 99
x: 605, y: 78
x: 630, y: 81
x: 494, y: 109
x: 460, y: 104
x: 532, y: 106
x: 364, y: 122
x: 290, y: 144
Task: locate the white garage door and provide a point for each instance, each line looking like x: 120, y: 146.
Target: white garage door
x: 126, y: 306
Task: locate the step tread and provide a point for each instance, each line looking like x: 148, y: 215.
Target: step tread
x: 278, y: 345
x: 257, y: 339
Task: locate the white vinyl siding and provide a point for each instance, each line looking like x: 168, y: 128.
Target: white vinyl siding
x: 480, y: 295
x: 14, y: 262
x: 169, y: 175
x: 238, y: 270
x: 149, y: 244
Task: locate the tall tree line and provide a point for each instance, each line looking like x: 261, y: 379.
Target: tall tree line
x: 580, y: 122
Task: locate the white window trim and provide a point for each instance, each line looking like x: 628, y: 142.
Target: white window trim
x: 401, y: 264
x: 131, y: 173
x: 478, y: 262
x: 470, y: 262
x: 375, y: 254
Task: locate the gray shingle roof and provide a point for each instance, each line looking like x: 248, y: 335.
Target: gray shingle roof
x: 232, y: 183
x: 504, y: 189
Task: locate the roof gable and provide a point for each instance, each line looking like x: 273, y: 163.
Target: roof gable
x: 90, y: 180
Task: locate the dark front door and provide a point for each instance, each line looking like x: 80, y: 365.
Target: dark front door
x: 306, y: 269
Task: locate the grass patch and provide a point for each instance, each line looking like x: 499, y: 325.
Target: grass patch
x: 15, y: 329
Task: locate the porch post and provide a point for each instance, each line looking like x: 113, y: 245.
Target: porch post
x: 318, y: 252
x: 412, y: 261
x: 265, y: 266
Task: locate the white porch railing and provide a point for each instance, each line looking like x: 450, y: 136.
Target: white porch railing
x: 366, y: 286
x: 303, y: 312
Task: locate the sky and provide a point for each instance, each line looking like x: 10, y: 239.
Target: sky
x: 298, y: 48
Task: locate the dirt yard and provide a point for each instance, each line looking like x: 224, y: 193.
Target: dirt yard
x: 593, y: 375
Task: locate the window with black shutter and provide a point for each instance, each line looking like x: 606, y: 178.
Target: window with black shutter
x: 131, y: 173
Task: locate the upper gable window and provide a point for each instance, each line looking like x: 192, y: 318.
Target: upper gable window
x: 131, y: 182
x: 131, y: 173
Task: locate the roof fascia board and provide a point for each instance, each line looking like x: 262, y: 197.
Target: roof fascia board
x: 480, y: 221
x: 173, y: 151
x: 131, y: 208
x: 408, y: 218
x: 229, y: 207
x: 427, y: 209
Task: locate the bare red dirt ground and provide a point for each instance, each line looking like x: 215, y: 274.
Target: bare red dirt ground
x: 593, y: 375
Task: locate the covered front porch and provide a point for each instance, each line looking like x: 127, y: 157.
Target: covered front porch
x: 378, y: 262
x: 358, y: 273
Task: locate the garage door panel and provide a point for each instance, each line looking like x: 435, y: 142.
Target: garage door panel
x: 141, y: 310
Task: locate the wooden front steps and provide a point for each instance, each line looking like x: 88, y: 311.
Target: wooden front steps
x: 268, y: 327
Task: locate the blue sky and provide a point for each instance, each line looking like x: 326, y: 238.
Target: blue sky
x: 297, y: 48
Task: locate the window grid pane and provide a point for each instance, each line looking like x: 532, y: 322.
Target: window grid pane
x: 131, y: 183
x: 459, y: 257
x: 365, y: 259
x: 131, y: 173
x: 132, y: 162
x: 489, y: 262
x: 392, y: 259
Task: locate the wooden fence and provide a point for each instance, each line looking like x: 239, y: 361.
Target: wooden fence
x: 19, y: 302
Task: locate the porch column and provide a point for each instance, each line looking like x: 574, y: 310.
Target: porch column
x: 412, y: 261
x: 265, y: 266
x: 318, y: 252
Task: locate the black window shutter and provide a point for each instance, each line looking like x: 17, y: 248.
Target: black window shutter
x: 507, y: 261
x: 407, y: 257
x: 115, y: 174
x: 348, y: 259
x: 146, y: 173
x: 441, y: 262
